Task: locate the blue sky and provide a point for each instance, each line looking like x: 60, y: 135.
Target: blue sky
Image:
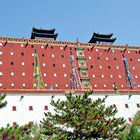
x: 73, y: 18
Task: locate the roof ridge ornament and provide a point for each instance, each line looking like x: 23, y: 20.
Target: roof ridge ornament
x: 96, y: 37
x: 43, y: 33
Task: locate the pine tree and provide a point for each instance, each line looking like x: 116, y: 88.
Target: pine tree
x: 30, y: 131
x: 79, y: 117
x: 136, y: 120
x: 2, y: 102
x: 133, y: 134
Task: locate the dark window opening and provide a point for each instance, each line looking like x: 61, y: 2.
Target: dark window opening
x: 14, y: 123
x: 115, y: 58
x: 45, y: 107
x: 105, y: 50
x: 30, y: 108
x: 32, y: 46
x: 33, y: 63
x: 130, y: 119
x: 62, y: 56
x: 43, y: 55
x: 88, y: 49
x: 51, y: 47
x: 22, y: 53
x: 54, y: 65
x: 136, y: 52
x: 98, y: 58
x: 14, y: 108
x: 114, y: 106
x: 138, y: 105
x: 109, y: 67
x: 12, y: 63
x: 126, y: 106
x: 91, y: 66
x: 130, y: 59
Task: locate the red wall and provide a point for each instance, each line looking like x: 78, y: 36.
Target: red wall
x: 61, y: 56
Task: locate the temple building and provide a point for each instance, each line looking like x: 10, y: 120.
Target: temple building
x: 32, y: 70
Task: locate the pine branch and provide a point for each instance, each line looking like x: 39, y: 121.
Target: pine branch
x: 2, y: 102
x: 87, y: 118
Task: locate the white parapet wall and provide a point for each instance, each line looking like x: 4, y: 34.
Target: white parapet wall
x: 32, y: 107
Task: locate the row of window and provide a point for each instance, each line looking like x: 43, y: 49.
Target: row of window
x: 109, y: 67
x: 30, y: 108
x: 14, y: 108
x: 107, y: 58
x: 108, y: 50
x: 12, y: 53
x: 12, y: 73
x: 126, y: 105
x: 117, y: 50
x: 65, y: 75
x: 44, y: 74
x: 24, y: 85
x: 22, y: 54
x: 105, y: 86
x: 64, y: 65
x: 42, y: 47
x: 111, y: 76
x: 43, y: 64
x: 51, y: 55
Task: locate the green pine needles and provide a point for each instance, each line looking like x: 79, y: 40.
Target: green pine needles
x: 2, y: 102
x: 79, y: 117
